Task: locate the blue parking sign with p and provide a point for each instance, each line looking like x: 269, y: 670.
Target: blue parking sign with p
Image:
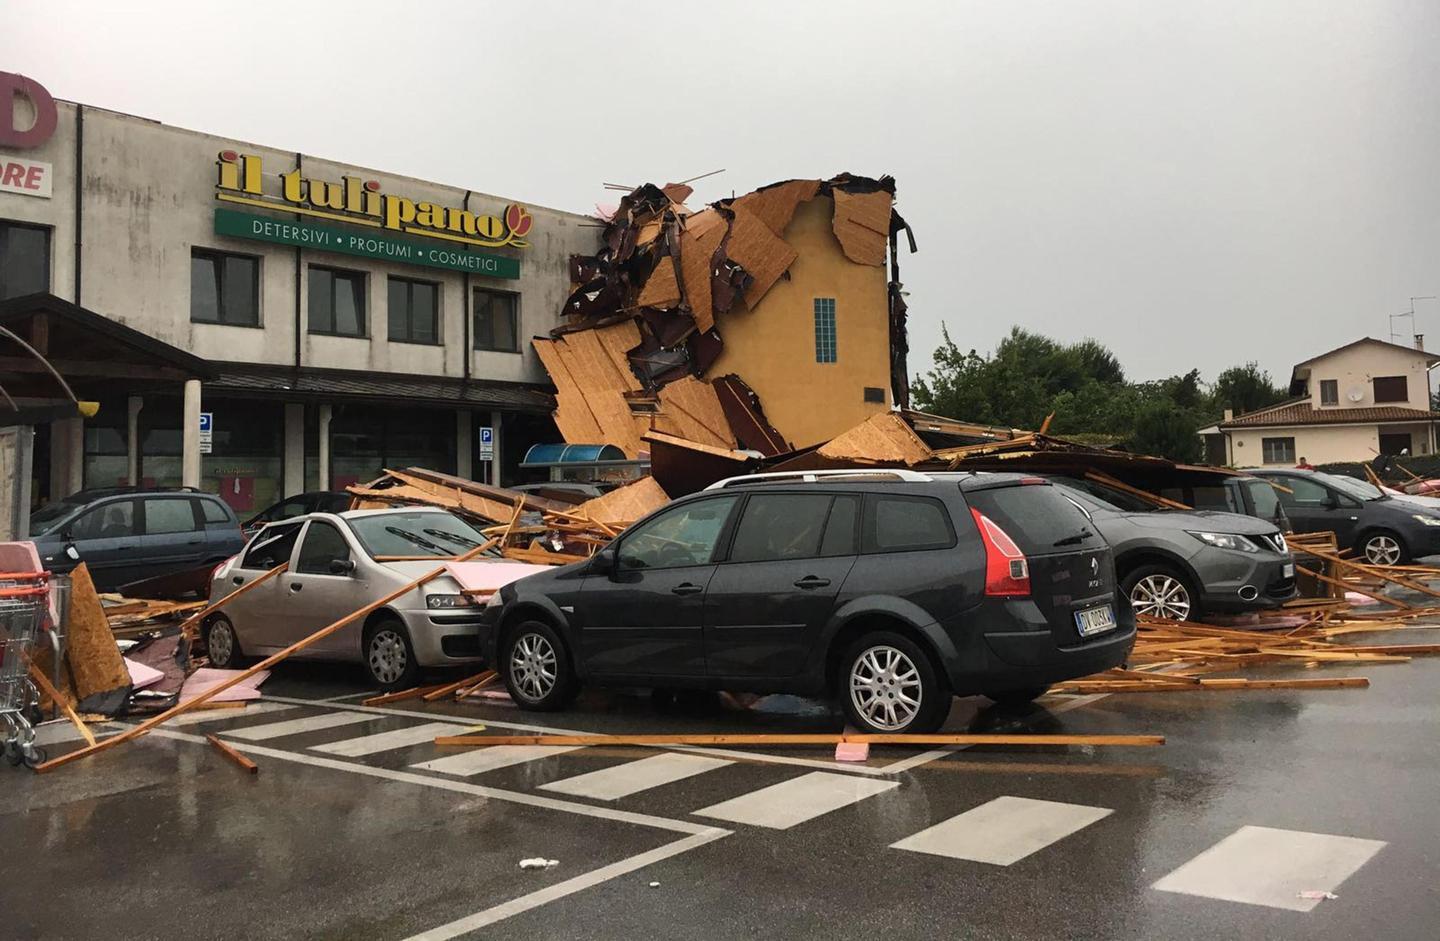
x: 206, y: 421
x: 487, y: 435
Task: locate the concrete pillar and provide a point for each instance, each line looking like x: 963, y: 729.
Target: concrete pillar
x: 464, y: 443
x: 67, y: 456
x: 294, y: 449
x: 326, y: 413
x: 132, y: 439
x: 16, y: 451
x: 190, y: 435
x: 495, y: 454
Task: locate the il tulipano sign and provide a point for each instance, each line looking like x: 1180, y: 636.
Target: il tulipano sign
x: 449, y: 234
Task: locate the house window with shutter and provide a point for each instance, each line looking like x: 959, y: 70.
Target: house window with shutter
x: 1390, y: 389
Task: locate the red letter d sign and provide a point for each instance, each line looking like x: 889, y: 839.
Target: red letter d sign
x: 36, y: 132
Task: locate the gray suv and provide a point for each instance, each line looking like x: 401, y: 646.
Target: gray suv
x: 124, y: 535
x: 1175, y: 564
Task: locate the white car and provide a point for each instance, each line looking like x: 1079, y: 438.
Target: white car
x: 339, y: 563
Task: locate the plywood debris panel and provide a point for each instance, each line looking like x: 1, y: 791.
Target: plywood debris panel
x: 883, y: 438
x: 763, y: 254
x: 624, y: 504
x: 690, y: 408
x: 775, y: 205
x: 703, y: 234
x: 862, y: 224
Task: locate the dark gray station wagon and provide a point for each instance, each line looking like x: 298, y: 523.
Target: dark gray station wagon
x: 892, y: 590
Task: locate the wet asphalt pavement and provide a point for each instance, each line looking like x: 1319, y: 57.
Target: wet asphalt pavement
x: 340, y: 835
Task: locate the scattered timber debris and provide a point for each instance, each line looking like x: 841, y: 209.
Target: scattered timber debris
x: 527, y: 528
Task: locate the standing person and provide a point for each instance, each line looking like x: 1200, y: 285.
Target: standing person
x: 1304, y: 464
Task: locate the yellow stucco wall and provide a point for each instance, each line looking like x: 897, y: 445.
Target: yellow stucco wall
x: 773, y: 347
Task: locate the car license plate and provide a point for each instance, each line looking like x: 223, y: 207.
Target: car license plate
x: 1095, y: 620
x: 1288, y: 571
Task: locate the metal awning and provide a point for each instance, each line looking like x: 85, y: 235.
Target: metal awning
x: 330, y: 385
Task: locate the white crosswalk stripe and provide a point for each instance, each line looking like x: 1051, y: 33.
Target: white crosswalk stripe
x: 1002, y: 831
x: 217, y: 715
x: 784, y: 805
x: 1265, y: 866
x: 325, y: 720
x: 610, y: 784
x: 384, y: 741
x: 480, y: 760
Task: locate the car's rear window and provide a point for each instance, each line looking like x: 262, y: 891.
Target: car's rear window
x: 903, y: 524
x: 1039, y: 518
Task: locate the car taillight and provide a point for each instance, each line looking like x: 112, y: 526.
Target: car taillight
x: 1007, y: 573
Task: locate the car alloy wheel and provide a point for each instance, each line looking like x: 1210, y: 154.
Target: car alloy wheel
x: 1382, y: 550
x: 885, y: 688
x: 1161, y: 596
x: 533, y: 666
x: 387, y: 656
x: 220, y: 644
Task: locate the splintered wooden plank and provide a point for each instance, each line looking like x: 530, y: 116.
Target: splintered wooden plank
x: 240, y: 760
x: 1133, y: 741
x: 1121, y: 686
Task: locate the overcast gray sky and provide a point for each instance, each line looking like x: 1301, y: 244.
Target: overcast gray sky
x: 1193, y: 184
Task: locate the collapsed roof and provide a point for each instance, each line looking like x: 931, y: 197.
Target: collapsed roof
x: 641, y: 335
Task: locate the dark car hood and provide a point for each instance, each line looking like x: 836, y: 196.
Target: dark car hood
x: 1210, y: 521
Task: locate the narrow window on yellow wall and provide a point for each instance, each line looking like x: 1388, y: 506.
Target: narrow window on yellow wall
x: 825, y: 330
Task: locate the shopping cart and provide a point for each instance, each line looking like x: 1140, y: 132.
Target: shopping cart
x: 24, y: 606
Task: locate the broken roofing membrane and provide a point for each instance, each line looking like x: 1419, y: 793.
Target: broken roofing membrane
x: 643, y: 357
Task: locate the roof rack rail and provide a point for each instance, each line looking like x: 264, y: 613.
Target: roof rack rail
x: 814, y: 476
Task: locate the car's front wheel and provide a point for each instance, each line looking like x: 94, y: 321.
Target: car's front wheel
x: 890, y: 685
x: 537, y: 669
x: 1159, y: 591
x: 1384, y: 548
x: 222, y: 644
x: 389, y: 656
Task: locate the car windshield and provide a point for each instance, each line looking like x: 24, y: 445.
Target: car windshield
x: 421, y: 533
x: 1358, y: 489
x: 45, y: 519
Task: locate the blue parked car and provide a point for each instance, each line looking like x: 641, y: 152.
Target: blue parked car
x: 127, y: 534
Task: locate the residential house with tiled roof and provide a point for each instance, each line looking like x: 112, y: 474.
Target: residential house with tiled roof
x: 1365, y: 398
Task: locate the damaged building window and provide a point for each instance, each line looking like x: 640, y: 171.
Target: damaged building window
x: 337, y: 302
x: 24, y: 259
x: 224, y: 288
x: 825, y: 330
x: 414, y: 311
x: 497, y: 321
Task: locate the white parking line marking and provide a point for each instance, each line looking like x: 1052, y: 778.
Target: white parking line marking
x: 1002, y: 831
x: 697, y: 835
x: 480, y: 760
x: 570, y: 886
x: 217, y: 715
x: 1264, y: 866
x: 325, y: 720
x: 782, y: 806
x: 610, y: 784
x: 384, y: 741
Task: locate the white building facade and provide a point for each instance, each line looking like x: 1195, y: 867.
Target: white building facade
x: 1365, y: 398
x: 352, y: 319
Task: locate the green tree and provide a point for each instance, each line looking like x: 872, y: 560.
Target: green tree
x: 1245, y: 389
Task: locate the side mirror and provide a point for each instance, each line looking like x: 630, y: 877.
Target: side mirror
x: 342, y: 566
x: 603, y: 562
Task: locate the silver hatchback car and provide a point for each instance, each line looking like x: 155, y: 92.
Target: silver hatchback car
x: 340, y: 562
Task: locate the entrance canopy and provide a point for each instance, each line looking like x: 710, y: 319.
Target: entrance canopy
x: 94, y: 354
